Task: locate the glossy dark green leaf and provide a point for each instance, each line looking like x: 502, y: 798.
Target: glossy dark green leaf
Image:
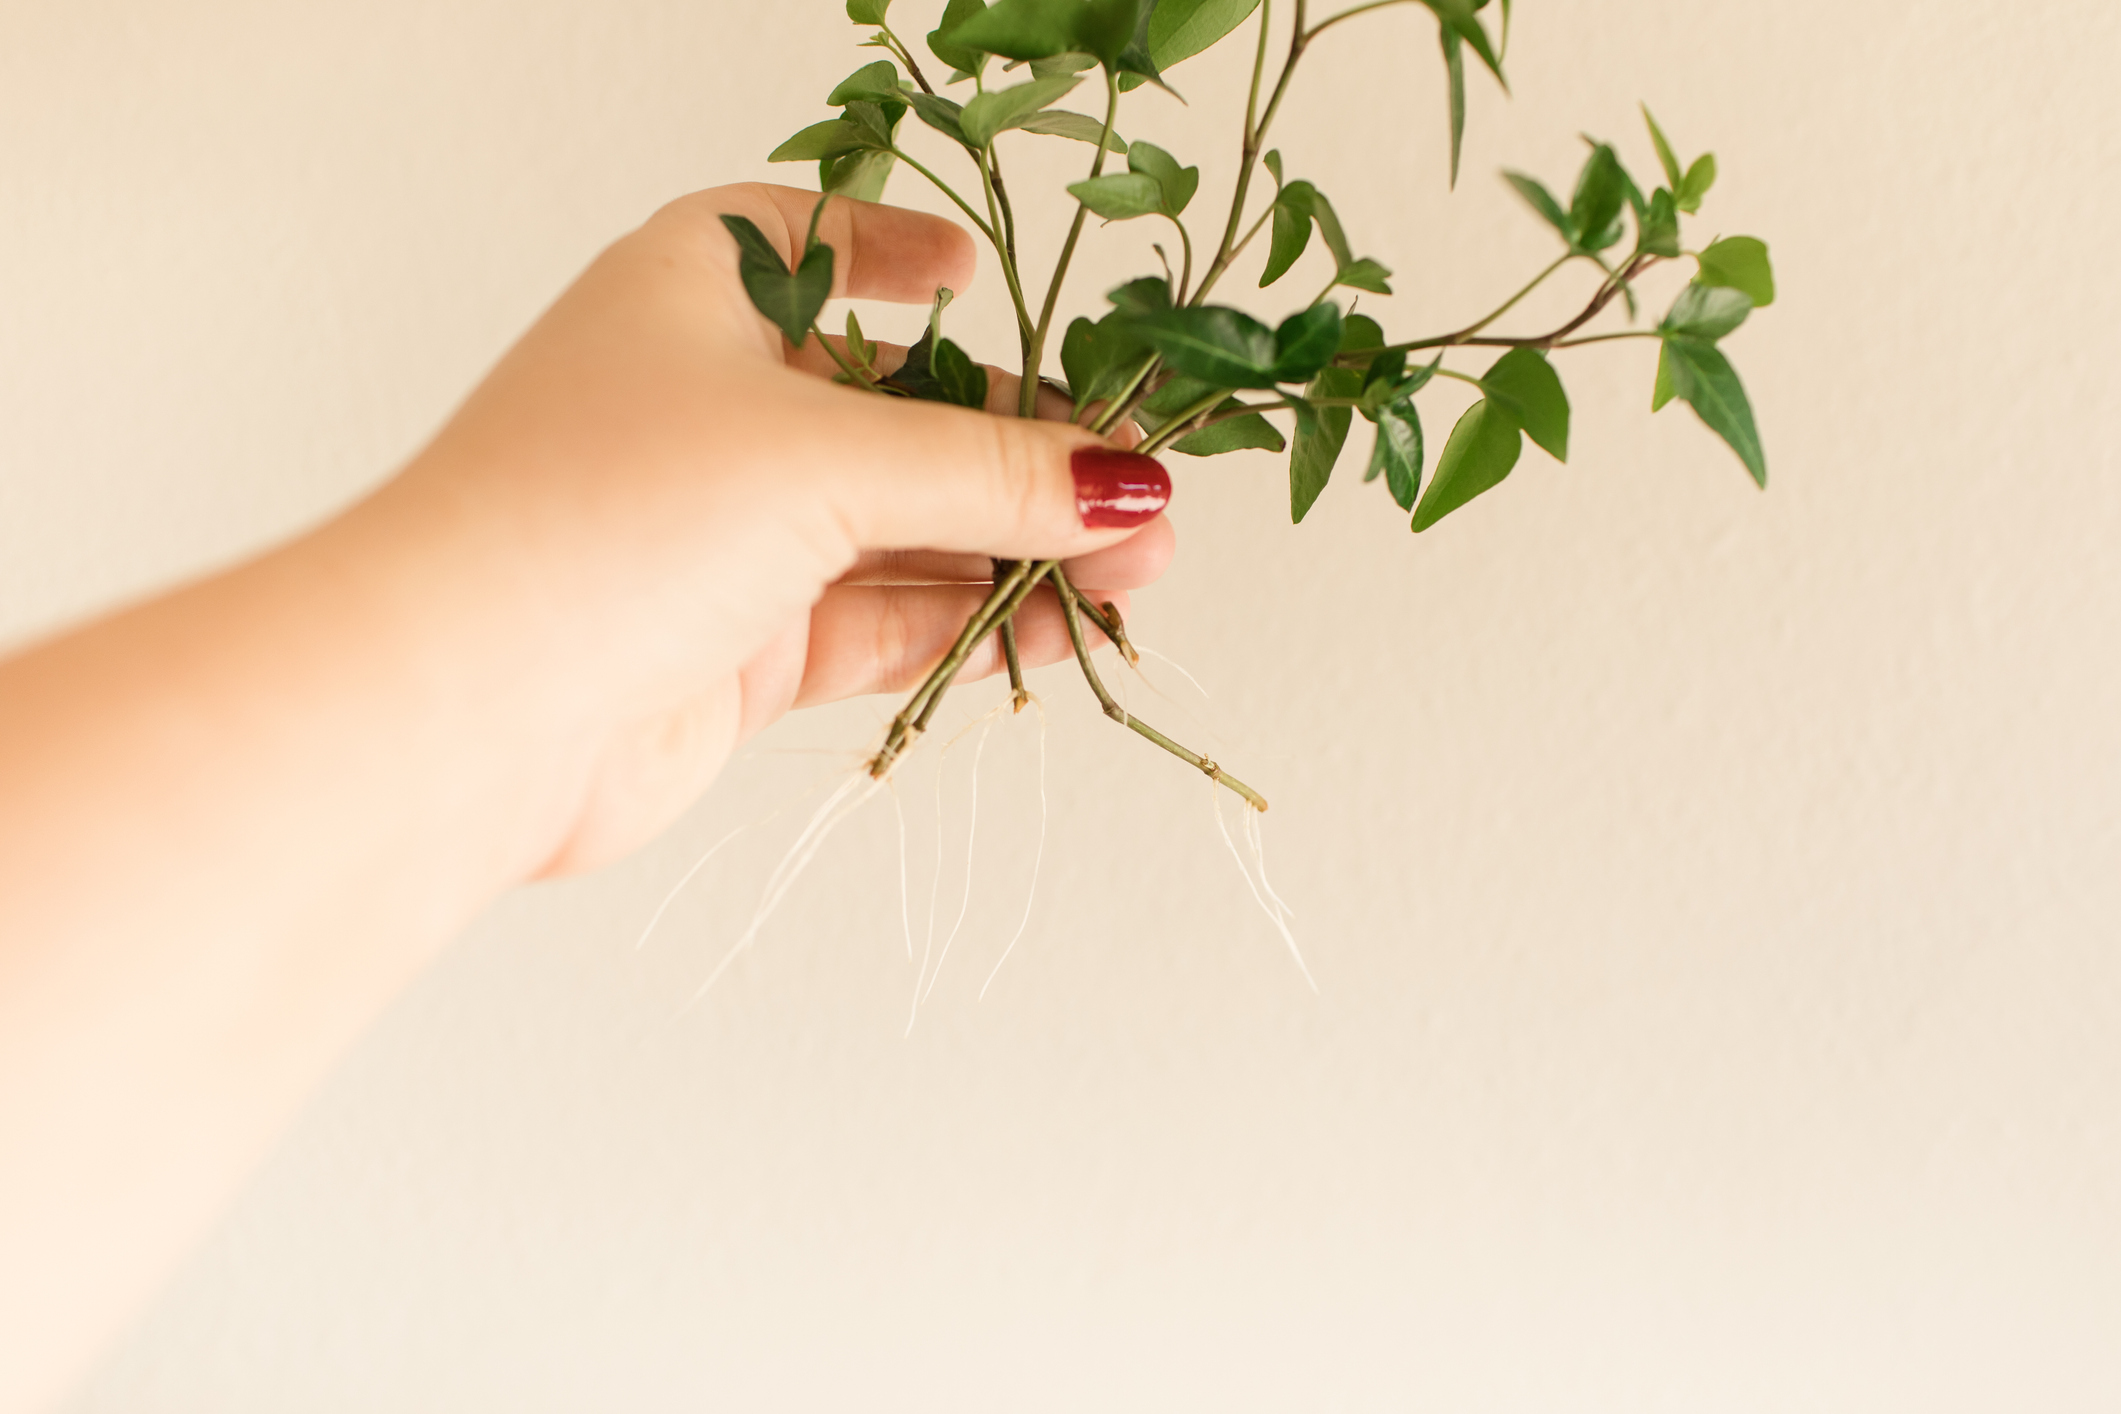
x: 990, y: 114
x: 1180, y: 29
x: 1707, y: 312
x: 1666, y: 158
x: 1698, y: 372
x: 1120, y: 196
x: 1542, y: 201
x: 1696, y: 183
x: 790, y: 300
x: 1740, y: 263
x: 1178, y: 183
x: 942, y: 40
x: 834, y: 137
x: 1365, y: 274
x: 1058, y: 122
x: 1601, y: 192
x: 1524, y: 386
x: 1099, y: 359
x: 1306, y: 342
x: 1321, y: 432
x: 867, y: 12
x: 1397, y: 453
x: 1659, y: 226
x: 958, y: 378
x: 1221, y: 346
x: 860, y: 175
x: 1454, y: 65
x: 876, y: 82
x: 1151, y: 294
x: 1480, y: 452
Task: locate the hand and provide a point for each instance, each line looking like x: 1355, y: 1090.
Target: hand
x: 726, y: 532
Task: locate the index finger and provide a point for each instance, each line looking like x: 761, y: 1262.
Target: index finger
x: 879, y: 252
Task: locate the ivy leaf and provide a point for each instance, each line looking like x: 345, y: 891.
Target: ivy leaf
x: 1601, y: 192
x: 1658, y: 226
x: 1272, y: 162
x: 1699, y: 373
x: 859, y: 175
x: 1696, y: 183
x: 1099, y: 359
x: 1397, y: 453
x: 1020, y: 29
x: 943, y: 114
x: 1292, y: 232
x: 1479, y: 454
x: 990, y: 114
x: 1662, y: 391
x: 1180, y: 29
x: 1306, y: 343
x: 1364, y: 274
x: 916, y: 375
x: 1454, y: 65
x: 1665, y: 156
x: 835, y: 137
x: 1149, y: 295
x: 1739, y: 263
x: 957, y: 378
x: 790, y: 299
x: 1233, y: 434
x: 1120, y: 196
x: 1058, y: 122
x: 1524, y: 387
x: 1707, y: 312
x: 867, y: 12
x: 1542, y: 201
x: 942, y: 40
x: 1321, y: 432
x: 878, y: 83
x: 1221, y: 346
x: 1458, y: 18
x: 1178, y: 183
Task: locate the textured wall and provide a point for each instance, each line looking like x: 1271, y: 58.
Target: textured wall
x: 1712, y: 894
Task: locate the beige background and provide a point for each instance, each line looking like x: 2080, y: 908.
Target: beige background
x: 1712, y: 894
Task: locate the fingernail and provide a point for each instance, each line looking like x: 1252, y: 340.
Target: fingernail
x: 1116, y: 490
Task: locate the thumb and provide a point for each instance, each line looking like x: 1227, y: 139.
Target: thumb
x: 911, y: 475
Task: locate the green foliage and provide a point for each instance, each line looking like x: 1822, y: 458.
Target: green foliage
x: 791, y: 299
x: 1058, y: 122
x: 1221, y: 346
x: 1478, y: 455
x: 1246, y: 432
x: 878, y: 83
x: 1322, y: 429
x: 1697, y: 372
x: 1175, y: 182
x: 1180, y: 29
x: 867, y: 12
x: 1120, y: 196
x: 989, y: 115
x: 965, y: 61
x: 1739, y: 263
x: 1525, y: 388
x: 957, y: 378
x: 1397, y: 453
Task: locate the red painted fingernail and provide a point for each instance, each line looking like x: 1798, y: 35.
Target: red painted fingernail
x: 1116, y: 490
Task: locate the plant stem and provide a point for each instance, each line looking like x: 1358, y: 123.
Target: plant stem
x: 947, y: 190
x: 1511, y: 303
x: 1255, y: 137
x: 1028, y: 403
x: 912, y: 719
x: 905, y: 55
x: 845, y: 367
x: 1558, y: 338
x: 1018, y: 694
x: 1072, y: 609
x: 1005, y: 249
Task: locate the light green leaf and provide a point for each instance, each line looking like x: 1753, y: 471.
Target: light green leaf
x: 1021, y: 29
x: 942, y: 114
x: 1740, y: 263
x: 1542, y: 201
x: 1665, y: 157
x: 1696, y: 183
x: 1151, y: 294
x: 990, y: 114
x: 1482, y: 449
x: 1178, y: 183
x: 1364, y: 274
x: 1707, y: 312
x: 1601, y: 192
x: 1454, y: 66
x: 1272, y: 162
x: 1524, y: 386
x: 1223, y: 347
x: 832, y: 138
x: 876, y: 82
x: 1329, y: 227
x: 1658, y: 226
x: 1120, y: 196
x: 1058, y: 122
x: 1699, y: 373
x: 860, y: 175
x: 1397, y: 453
x: 1292, y: 232
x: 790, y: 300
x: 1458, y: 17
x: 867, y: 12
x: 1180, y: 29
x: 1662, y: 391
x: 942, y: 40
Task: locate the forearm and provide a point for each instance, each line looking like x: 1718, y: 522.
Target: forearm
x: 233, y: 823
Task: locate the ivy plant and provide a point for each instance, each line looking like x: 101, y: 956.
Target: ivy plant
x: 1201, y: 377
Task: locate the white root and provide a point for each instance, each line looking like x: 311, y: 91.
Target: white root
x: 1037, y: 860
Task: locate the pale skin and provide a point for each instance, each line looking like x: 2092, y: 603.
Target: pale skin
x: 238, y: 818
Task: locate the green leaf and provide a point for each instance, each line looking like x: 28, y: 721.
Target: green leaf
x: 876, y: 82
x: 1524, y: 386
x: 942, y: 114
x: 1151, y: 294
x: 1178, y: 183
x: 1098, y: 359
x: 1021, y: 29
x: 790, y: 300
x: 1658, y: 226
x: 861, y: 352
x: 1542, y: 201
x: 1707, y: 312
x: 1601, y: 192
x: 1665, y: 157
x: 1058, y: 122
x: 1306, y: 342
x: 1321, y: 432
x: 1069, y: 61
x: 1272, y: 162
x: 876, y: 120
x: 1662, y: 391
x: 958, y: 378
x: 1364, y: 274
x: 1739, y: 263
x: 1328, y: 226
x: 860, y: 175
x: 1696, y: 183
x: 942, y: 40
x: 834, y: 137
x: 1292, y: 232
x: 1482, y: 448
x: 1699, y: 373
x: 991, y: 114
x: 1397, y: 453
x: 1458, y: 18
x: 1233, y: 434
x: 1180, y: 29
x: 867, y: 12
x: 1221, y: 346
x: 1454, y: 64
x: 1120, y: 196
